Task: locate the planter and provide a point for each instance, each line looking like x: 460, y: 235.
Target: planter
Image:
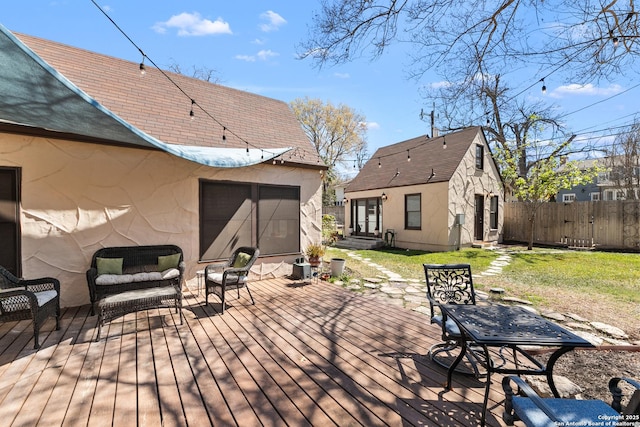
x: 337, y: 267
x: 315, y: 261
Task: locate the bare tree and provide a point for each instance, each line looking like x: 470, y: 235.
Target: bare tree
x: 598, y: 39
x: 623, y: 161
x: 200, y: 73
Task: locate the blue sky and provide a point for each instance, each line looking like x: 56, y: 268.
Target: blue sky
x: 252, y: 46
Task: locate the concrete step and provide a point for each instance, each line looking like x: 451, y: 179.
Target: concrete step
x: 359, y: 243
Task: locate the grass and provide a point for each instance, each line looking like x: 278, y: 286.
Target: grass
x: 602, y: 286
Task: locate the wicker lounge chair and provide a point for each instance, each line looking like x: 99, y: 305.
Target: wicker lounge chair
x: 222, y: 277
x: 22, y: 299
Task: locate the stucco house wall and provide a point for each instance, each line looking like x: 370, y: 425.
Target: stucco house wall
x: 78, y: 197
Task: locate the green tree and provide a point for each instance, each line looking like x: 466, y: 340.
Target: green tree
x: 337, y: 132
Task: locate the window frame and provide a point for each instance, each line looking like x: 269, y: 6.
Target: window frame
x: 479, y: 156
x: 255, y: 224
x: 493, y: 212
x: 568, y: 197
x: 407, y: 212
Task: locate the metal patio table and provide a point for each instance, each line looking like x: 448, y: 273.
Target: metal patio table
x: 499, y: 326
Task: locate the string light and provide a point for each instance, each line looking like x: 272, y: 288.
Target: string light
x: 408, y: 156
x: 444, y: 143
x: 143, y: 69
x: 224, y: 135
x: 247, y: 148
x: 544, y: 87
x: 379, y: 164
x: 191, y: 113
x: 615, y: 42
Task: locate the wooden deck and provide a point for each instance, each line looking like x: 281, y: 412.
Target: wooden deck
x: 311, y: 354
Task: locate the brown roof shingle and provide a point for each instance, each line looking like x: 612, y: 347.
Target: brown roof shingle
x: 389, y: 166
x: 158, y: 107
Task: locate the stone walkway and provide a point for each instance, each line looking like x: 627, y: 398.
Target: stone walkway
x: 411, y: 293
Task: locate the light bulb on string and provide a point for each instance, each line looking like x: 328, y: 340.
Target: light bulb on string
x: 444, y: 143
x: 143, y: 68
x: 191, y: 113
x: 224, y: 135
x: 379, y: 164
x: 408, y: 156
x: 615, y: 42
x: 544, y: 87
x: 247, y: 148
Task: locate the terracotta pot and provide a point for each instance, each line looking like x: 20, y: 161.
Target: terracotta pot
x: 314, y: 261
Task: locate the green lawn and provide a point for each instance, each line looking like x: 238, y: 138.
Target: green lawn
x: 602, y: 286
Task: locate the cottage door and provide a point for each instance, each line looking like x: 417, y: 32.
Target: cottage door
x: 478, y: 228
x: 9, y: 220
x: 367, y: 216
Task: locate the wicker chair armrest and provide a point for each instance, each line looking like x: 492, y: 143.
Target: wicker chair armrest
x: 30, y: 296
x: 215, y: 267
x: 527, y: 391
x: 42, y: 284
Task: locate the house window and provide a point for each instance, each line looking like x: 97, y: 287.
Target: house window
x: 595, y: 197
x: 412, y: 212
x: 493, y: 213
x: 246, y: 214
x: 568, y: 198
x: 278, y: 220
x: 479, y: 157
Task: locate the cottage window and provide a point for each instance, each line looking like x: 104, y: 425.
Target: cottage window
x: 412, y: 212
x: 246, y: 214
x: 493, y: 213
x: 479, y: 157
x: 595, y: 197
x: 568, y: 198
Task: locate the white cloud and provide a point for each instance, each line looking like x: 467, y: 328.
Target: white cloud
x: 192, y: 24
x: 372, y: 125
x: 588, y: 90
x: 342, y: 75
x: 266, y: 54
x: 274, y: 21
x: 440, y: 84
x: 258, y: 41
x: 263, y: 55
x: 247, y: 58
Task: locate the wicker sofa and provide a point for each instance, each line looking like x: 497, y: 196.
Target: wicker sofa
x: 116, y: 270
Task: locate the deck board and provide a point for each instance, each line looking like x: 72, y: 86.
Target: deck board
x: 312, y: 354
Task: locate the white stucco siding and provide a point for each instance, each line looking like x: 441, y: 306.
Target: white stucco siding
x: 78, y: 197
x: 465, y: 184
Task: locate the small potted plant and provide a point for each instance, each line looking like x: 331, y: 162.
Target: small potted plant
x: 315, y: 252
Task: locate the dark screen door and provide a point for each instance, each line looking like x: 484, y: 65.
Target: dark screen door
x: 9, y: 220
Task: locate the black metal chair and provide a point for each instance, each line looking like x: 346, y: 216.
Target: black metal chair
x: 525, y: 405
x: 22, y: 299
x: 220, y: 278
x: 451, y: 284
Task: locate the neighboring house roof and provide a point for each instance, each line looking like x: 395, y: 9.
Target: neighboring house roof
x: 389, y: 166
x: 152, y: 108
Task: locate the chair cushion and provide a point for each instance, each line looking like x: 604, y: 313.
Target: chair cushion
x: 119, y: 279
x: 166, y: 262
x: 45, y: 296
x: 451, y: 328
x: 232, y: 278
x: 241, y: 260
x: 570, y: 411
x: 109, y: 265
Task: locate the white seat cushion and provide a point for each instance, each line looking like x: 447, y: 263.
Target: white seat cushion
x: 45, y: 296
x: 451, y: 327
x: 231, y: 278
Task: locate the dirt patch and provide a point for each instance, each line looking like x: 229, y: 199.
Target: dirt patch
x: 592, y: 369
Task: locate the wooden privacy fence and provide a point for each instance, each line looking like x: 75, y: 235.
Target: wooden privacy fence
x: 603, y: 224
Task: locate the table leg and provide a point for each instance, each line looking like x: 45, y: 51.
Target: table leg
x: 487, y: 386
x: 549, y: 370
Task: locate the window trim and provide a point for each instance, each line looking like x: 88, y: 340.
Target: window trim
x: 568, y: 197
x: 493, y: 215
x: 479, y: 157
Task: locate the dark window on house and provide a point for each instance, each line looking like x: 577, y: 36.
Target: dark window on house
x: 412, y: 212
x: 279, y: 220
x: 246, y: 214
x: 493, y: 214
x: 479, y: 157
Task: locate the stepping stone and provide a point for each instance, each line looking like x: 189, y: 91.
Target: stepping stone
x: 576, y: 317
x: 338, y: 282
x: 577, y: 325
x: 610, y: 330
x: 412, y: 290
x: 615, y: 342
x: 397, y: 279
x: 497, y: 263
x: 372, y: 280
x: 371, y: 285
x: 553, y: 315
x: 354, y: 281
x: 389, y: 290
x: 415, y: 299
x: 529, y: 308
x: 593, y: 339
x: 497, y: 290
x: 354, y: 287
x: 517, y: 300
x: 566, y: 388
x: 423, y: 310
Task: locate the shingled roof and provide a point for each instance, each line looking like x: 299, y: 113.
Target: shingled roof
x: 389, y: 166
x: 158, y: 107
